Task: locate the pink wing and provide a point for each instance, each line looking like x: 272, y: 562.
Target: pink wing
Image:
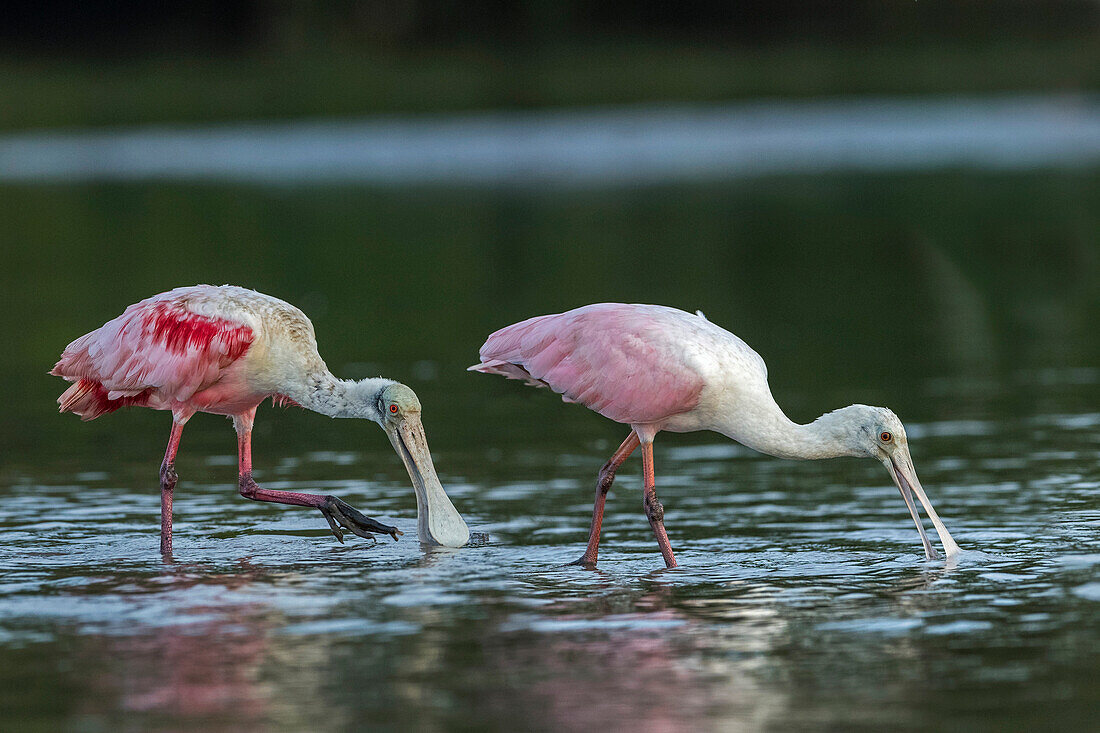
x: 157, y: 347
x: 603, y: 356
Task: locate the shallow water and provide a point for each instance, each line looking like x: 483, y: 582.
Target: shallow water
x: 803, y: 600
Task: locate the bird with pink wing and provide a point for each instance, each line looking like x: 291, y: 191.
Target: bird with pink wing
x: 224, y: 350
x: 656, y: 368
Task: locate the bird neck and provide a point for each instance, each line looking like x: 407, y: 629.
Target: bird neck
x: 764, y: 427
x: 324, y: 393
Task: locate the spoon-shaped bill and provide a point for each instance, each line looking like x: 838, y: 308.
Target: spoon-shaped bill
x: 907, y: 495
x: 438, y: 522
x: 905, y: 477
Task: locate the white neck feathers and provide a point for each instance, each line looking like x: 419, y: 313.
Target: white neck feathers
x: 324, y: 393
x: 764, y: 427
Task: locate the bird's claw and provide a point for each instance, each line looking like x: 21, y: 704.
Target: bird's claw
x: 341, y: 515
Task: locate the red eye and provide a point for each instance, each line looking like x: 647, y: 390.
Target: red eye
x: 393, y: 409
x: 886, y: 437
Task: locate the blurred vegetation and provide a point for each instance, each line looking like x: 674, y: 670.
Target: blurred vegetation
x: 129, y: 62
x: 318, y: 83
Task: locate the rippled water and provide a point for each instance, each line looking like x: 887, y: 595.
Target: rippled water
x: 803, y: 601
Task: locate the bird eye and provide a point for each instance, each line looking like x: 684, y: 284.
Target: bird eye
x: 393, y: 409
x: 886, y: 437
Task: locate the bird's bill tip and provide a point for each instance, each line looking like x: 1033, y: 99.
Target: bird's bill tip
x: 438, y: 522
x: 905, y: 476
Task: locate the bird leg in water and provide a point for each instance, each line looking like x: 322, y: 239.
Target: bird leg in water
x: 603, y: 485
x: 168, y: 480
x: 654, y: 510
x: 339, y: 514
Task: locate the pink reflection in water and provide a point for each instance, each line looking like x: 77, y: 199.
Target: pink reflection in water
x: 209, y: 670
x: 199, y: 671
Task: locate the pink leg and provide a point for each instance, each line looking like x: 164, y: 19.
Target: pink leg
x: 653, y: 508
x: 603, y: 485
x: 168, y: 480
x: 337, y: 512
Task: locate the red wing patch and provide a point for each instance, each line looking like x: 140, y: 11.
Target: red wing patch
x: 157, y: 351
x: 180, y: 330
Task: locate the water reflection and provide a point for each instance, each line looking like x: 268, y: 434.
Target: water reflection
x: 201, y: 672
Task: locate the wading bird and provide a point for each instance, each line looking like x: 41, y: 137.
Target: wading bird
x: 225, y: 350
x: 657, y: 368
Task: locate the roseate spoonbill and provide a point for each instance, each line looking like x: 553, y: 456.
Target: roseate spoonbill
x: 658, y: 368
x: 224, y: 350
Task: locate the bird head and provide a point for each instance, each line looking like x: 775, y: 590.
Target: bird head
x: 866, y: 431
x: 876, y: 432
x: 396, y: 402
x: 438, y: 522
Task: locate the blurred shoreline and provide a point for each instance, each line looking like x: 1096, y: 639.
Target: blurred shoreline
x: 625, y: 145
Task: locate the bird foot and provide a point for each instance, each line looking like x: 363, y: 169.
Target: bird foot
x: 340, y: 514
x: 582, y: 562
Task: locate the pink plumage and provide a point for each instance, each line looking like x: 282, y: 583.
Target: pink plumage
x: 657, y: 368
x: 159, y: 353
x: 224, y: 350
x: 609, y: 357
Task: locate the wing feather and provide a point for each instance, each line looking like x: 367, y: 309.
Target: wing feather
x: 159, y: 346
x: 611, y: 358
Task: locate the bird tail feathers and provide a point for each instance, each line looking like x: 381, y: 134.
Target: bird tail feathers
x: 89, y: 399
x: 508, y: 370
